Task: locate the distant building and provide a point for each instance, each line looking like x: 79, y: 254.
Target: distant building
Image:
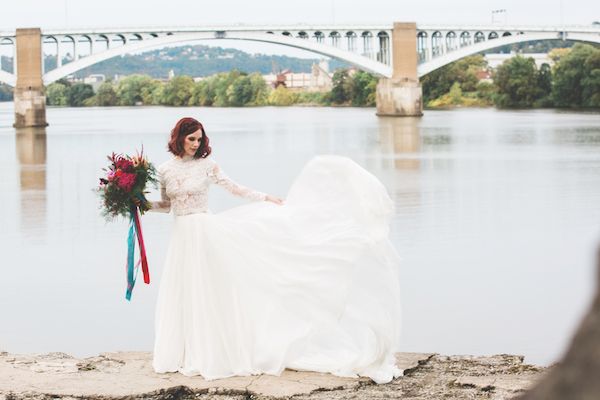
x: 318, y: 80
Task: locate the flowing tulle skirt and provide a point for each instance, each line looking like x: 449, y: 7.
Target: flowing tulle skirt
x: 310, y: 285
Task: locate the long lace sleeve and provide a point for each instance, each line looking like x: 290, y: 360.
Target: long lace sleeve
x: 164, y: 205
x: 218, y: 177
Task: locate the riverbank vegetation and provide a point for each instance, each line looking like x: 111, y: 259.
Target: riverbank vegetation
x: 227, y: 89
x: 572, y: 82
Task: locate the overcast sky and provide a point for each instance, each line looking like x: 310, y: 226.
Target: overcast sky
x: 129, y: 13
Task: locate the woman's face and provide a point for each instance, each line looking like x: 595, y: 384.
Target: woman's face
x: 192, y: 142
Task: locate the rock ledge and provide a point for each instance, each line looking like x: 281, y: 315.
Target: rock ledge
x: 129, y: 375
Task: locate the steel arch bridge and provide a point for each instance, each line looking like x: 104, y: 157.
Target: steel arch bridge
x: 368, y: 47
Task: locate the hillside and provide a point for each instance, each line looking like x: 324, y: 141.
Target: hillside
x: 198, y: 60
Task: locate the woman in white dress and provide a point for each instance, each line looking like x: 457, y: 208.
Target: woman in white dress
x: 309, y: 284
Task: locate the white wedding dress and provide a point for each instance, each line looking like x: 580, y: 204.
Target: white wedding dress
x: 309, y: 285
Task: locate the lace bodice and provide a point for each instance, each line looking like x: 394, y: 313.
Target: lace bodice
x: 184, y: 184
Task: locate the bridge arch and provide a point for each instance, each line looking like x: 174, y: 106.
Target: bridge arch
x: 465, y: 39
x: 104, y: 39
x: 119, y: 38
x: 335, y: 38
x: 438, y: 62
x: 451, y: 40
x: 357, y: 60
x: 89, y: 39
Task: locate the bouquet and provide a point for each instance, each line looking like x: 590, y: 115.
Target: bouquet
x: 123, y: 191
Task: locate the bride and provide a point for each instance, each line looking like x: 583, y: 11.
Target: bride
x: 307, y: 284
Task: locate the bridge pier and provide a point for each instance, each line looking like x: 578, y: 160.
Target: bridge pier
x: 29, y: 97
x: 401, y: 95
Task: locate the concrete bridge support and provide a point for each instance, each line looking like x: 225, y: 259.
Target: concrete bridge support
x: 29, y: 97
x: 401, y: 95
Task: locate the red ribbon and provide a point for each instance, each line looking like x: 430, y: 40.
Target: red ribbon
x: 144, y: 259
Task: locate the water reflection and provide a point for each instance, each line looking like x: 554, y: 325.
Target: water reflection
x: 31, y: 154
x: 400, y: 140
x: 434, y: 139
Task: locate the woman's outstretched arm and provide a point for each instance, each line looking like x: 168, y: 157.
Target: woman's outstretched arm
x: 218, y: 177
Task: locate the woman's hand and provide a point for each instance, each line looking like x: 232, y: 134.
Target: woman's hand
x: 274, y: 199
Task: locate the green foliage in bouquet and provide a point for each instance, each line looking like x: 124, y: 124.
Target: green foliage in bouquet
x: 123, y: 189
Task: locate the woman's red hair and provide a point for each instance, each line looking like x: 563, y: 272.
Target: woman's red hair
x: 187, y: 126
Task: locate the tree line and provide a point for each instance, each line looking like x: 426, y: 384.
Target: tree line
x: 573, y: 82
x: 226, y: 89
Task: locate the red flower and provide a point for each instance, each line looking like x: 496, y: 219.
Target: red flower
x: 126, y: 181
x: 123, y: 164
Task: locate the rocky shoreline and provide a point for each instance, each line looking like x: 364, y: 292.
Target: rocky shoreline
x: 129, y: 375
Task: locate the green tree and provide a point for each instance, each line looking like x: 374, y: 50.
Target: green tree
x: 517, y: 82
x: 281, y: 97
x: 544, y: 84
x: 363, y: 87
x: 222, y: 83
x: 545, y: 80
x: 312, y: 98
x: 591, y: 81
x: 78, y: 93
x: 203, y: 93
x: 239, y: 92
x: 574, y: 77
x: 152, y: 92
x: 486, y: 91
x: 134, y: 89
x: 463, y: 71
x: 260, y: 90
x: 455, y: 94
x: 106, y: 95
x: 556, y: 54
x: 178, y: 91
x: 56, y: 94
x: 247, y: 90
x: 341, y: 92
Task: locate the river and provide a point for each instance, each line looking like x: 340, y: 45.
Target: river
x: 497, y: 218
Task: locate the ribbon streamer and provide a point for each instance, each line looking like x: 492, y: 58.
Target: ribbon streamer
x: 135, y: 229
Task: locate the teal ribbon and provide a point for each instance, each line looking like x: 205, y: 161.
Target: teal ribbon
x: 131, y: 270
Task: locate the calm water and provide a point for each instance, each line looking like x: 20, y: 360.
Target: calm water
x: 497, y: 215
